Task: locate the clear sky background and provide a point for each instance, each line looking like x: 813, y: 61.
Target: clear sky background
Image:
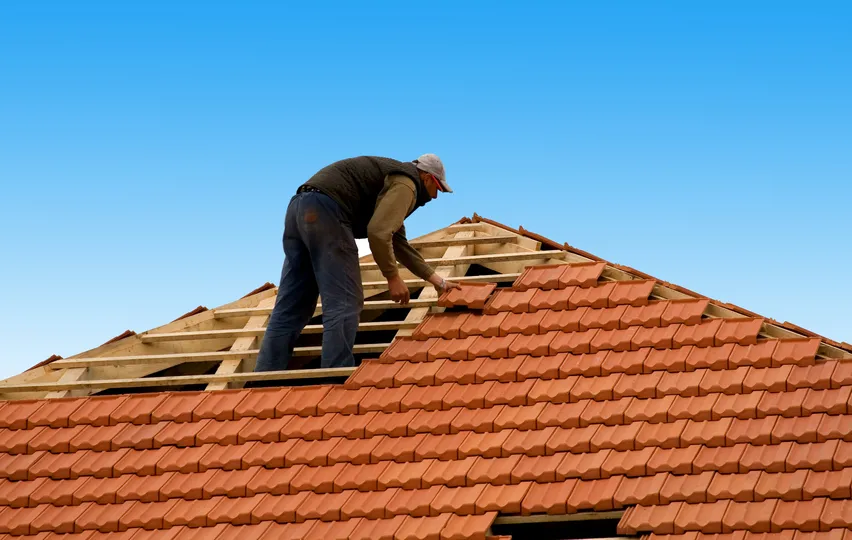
x: 148, y: 149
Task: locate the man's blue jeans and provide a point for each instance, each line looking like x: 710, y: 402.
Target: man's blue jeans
x: 320, y: 258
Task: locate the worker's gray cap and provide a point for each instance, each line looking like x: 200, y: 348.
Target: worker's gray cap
x: 431, y: 164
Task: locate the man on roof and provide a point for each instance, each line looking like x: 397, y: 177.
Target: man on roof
x: 363, y: 197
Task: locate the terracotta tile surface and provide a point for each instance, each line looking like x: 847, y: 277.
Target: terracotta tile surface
x: 470, y: 295
x: 563, y: 394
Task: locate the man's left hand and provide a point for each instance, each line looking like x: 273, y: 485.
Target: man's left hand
x: 447, y: 286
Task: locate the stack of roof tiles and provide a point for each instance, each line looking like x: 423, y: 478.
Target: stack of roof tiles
x: 564, y: 394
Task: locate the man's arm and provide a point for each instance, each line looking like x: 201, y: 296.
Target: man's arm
x: 410, y: 257
x: 386, y: 234
x: 394, y: 203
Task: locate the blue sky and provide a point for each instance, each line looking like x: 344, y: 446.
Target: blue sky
x: 148, y: 149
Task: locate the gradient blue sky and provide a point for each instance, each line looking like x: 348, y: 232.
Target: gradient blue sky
x: 148, y: 149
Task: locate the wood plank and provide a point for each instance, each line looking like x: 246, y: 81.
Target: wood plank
x: 257, y: 332
x: 490, y: 258
x: 476, y: 240
x: 212, y: 356
x: 70, y: 375
x: 237, y: 364
x: 368, y: 306
x: 180, y: 380
x: 413, y: 283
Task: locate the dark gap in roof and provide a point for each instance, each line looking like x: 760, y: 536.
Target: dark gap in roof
x: 559, y: 530
x: 479, y: 270
x: 297, y: 382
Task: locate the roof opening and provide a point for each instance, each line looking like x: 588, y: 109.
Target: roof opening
x: 565, y: 527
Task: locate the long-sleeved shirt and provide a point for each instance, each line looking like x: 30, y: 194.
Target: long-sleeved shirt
x: 386, y: 231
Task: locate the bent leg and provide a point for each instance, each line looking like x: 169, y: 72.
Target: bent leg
x: 334, y: 256
x: 296, y: 300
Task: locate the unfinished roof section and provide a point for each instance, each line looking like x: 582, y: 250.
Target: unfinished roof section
x: 216, y: 349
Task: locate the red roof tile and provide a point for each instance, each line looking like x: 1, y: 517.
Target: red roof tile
x: 470, y: 295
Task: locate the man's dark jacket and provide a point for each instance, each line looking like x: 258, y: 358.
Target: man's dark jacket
x: 355, y: 184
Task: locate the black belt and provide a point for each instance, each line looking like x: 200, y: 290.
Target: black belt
x: 304, y: 187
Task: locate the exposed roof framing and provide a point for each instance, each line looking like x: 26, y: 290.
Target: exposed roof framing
x: 217, y: 348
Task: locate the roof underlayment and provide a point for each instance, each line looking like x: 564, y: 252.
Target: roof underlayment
x: 554, y: 385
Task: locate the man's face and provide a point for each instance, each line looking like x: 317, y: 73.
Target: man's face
x: 431, y: 186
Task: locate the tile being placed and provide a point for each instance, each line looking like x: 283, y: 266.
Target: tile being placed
x: 469, y: 295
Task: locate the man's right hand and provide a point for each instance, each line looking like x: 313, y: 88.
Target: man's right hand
x: 398, y: 290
